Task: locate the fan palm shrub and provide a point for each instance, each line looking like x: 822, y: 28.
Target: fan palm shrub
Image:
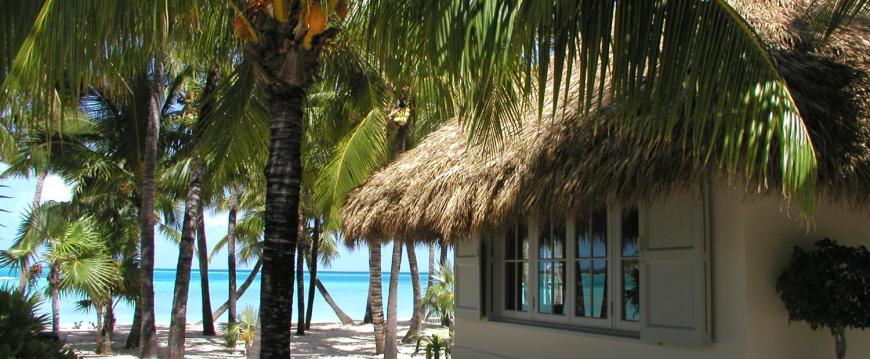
x: 21, y: 328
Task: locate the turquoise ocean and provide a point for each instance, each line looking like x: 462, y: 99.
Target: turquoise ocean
x: 348, y: 289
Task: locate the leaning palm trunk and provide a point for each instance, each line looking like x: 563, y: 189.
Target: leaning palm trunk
x: 283, y: 178
x: 312, y: 272
x: 231, y: 254
x: 417, y: 317
x: 148, y: 331
x: 238, y: 294
x: 24, y: 269
x: 376, y: 300
x: 133, y: 337
x: 202, y: 250
x: 342, y: 316
x: 367, y: 317
x: 300, y: 290
x: 202, y: 245
x: 391, y: 350
x: 178, y: 323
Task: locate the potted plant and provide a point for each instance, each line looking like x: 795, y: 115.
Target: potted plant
x: 828, y: 287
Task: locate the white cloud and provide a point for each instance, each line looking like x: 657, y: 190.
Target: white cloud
x: 56, y: 190
x: 216, y: 219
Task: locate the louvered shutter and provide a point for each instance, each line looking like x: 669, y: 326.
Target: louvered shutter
x: 675, y: 270
x: 467, y: 277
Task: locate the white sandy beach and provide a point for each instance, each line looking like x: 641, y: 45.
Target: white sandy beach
x: 324, y: 340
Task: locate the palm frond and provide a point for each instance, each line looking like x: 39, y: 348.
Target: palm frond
x: 359, y: 154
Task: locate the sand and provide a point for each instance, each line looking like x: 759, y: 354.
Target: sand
x: 324, y: 340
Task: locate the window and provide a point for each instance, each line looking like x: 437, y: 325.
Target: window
x: 586, y: 270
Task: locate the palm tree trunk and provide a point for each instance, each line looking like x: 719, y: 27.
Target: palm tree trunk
x: 102, y: 347
x: 254, y: 350
x: 109, y: 326
x: 231, y: 253
x: 148, y: 332
x: 23, y: 271
x: 376, y: 295
x: 283, y: 178
x: 429, y: 277
x: 442, y: 261
x: 202, y: 245
x: 135, y: 328
x: 238, y: 294
x: 178, y: 323
x: 202, y: 250
x: 342, y: 316
x: 54, y: 283
x: 417, y: 317
x: 391, y: 350
x: 367, y: 318
x: 300, y: 290
x: 312, y: 271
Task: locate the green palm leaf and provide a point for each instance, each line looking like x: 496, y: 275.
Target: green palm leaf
x: 355, y: 158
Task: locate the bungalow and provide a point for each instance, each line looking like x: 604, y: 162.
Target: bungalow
x: 575, y: 239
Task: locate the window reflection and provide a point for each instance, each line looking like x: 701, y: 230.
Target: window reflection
x: 630, y: 265
x: 591, y: 276
x: 551, y: 268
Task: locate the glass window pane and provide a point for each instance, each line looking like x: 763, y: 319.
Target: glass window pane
x: 511, y: 245
x: 545, y: 241
x: 510, y: 286
x: 584, y: 239
x: 630, y: 290
x: 599, y: 233
x: 599, y: 289
x: 559, y: 240
x: 583, y: 303
x: 630, y: 232
x: 523, y: 234
x: 551, y: 287
x: 523, y: 291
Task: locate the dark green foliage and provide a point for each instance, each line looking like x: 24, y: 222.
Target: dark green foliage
x: 20, y: 329
x: 828, y: 287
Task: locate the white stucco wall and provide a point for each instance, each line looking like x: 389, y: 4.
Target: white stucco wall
x: 771, y: 234
x: 752, y: 241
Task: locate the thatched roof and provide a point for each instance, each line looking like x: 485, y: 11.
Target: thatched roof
x: 444, y: 187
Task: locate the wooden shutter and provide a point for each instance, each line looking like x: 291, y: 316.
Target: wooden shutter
x: 467, y: 276
x: 675, y: 270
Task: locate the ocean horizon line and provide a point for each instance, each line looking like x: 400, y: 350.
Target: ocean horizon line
x: 306, y: 271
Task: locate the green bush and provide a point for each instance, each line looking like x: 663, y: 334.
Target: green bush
x: 828, y: 287
x: 21, y: 328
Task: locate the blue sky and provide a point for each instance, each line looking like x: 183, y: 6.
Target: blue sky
x: 21, y: 190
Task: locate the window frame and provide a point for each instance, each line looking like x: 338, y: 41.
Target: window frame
x: 614, y: 272
x: 500, y: 275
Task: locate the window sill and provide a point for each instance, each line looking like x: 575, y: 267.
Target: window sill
x: 595, y: 332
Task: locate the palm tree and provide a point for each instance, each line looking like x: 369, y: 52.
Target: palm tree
x: 438, y: 300
x: 312, y: 269
x: 376, y: 299
x: 231, y: 251
x: 178, y: 324
x: 391, y: 350
x: 72, y: 249
x: 417, y: 316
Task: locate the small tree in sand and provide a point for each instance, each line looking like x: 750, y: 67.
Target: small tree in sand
x: 828, y: 287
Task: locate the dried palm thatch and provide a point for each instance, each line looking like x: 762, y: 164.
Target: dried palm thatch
x: 563, y: 162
